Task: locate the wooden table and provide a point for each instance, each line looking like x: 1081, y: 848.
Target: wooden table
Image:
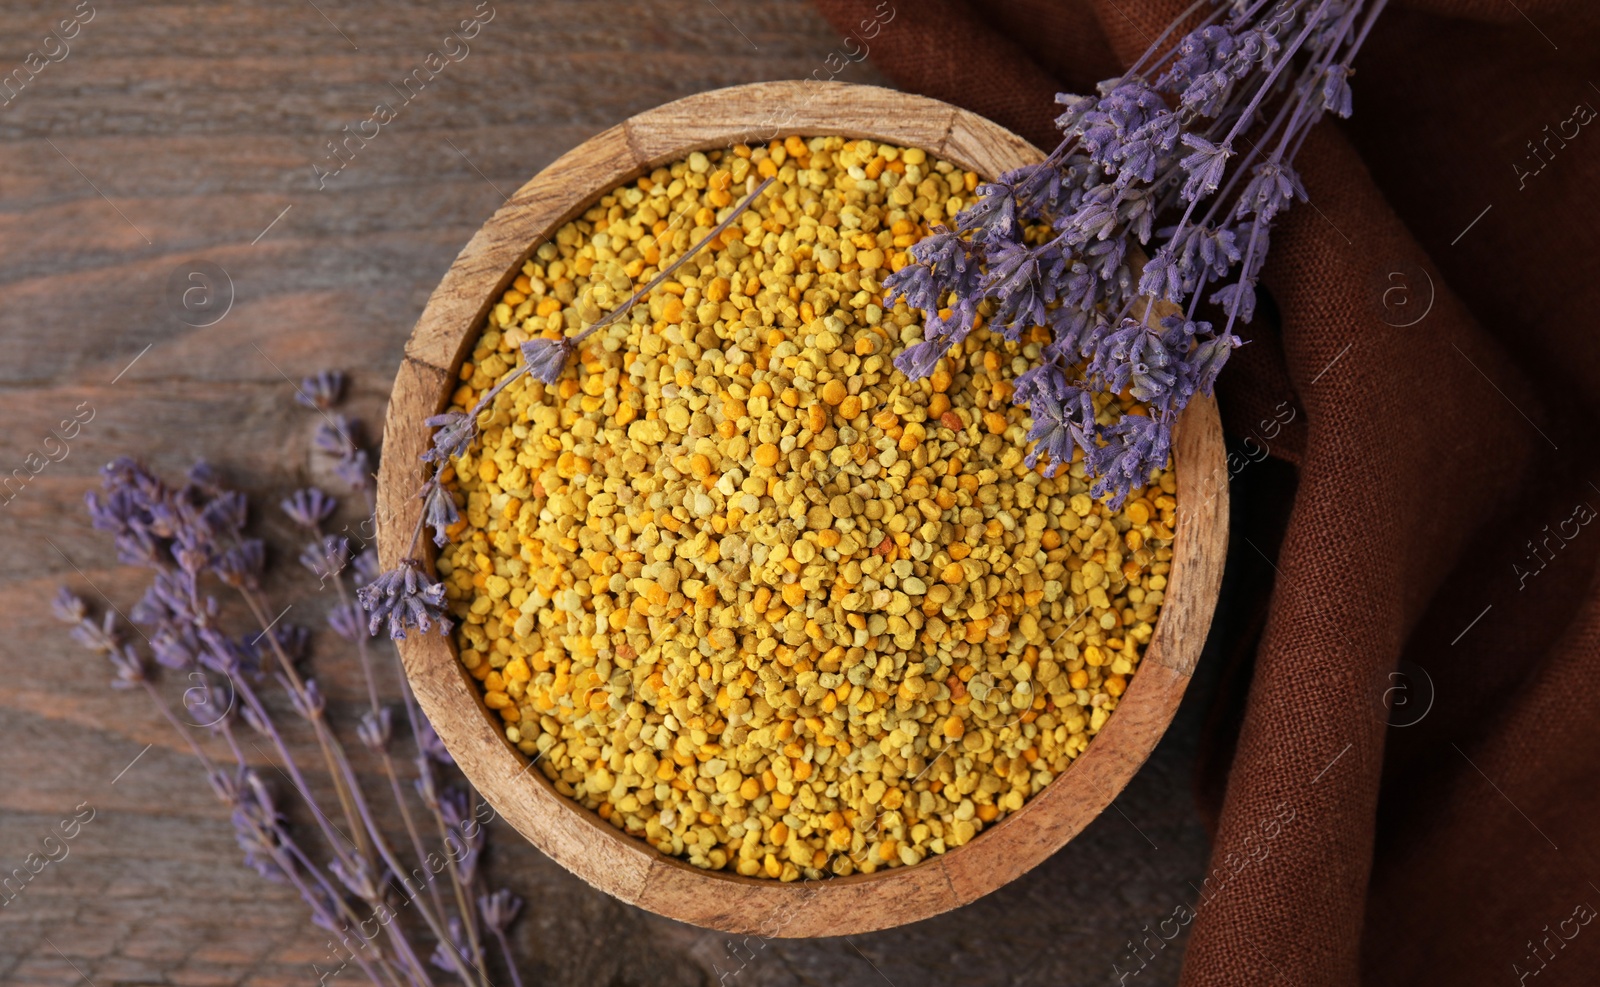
x: 169, y: 135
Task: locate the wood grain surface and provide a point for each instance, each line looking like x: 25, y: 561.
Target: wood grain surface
x: 576, y: 838
x: 172, y: 134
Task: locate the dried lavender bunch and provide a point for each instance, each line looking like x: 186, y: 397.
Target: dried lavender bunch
x: 1149, y: 160
x: 192, y: 535
x: 404, y: 597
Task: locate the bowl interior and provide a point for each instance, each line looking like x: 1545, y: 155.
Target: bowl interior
x: 630, y: 868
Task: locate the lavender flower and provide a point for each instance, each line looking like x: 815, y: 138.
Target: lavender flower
x: 242, y: 564
x: 1205, y: 166
x: 376, y: 729
x: 103, y: 638
x: 442, y: 952
x: 355, y: 470
x: 405, y: 597
x: 439, y: 510
x: 208, y: 703
x: 453, y: 437
x: 340, y: 438
x: 1155, y: 144
x: 348, y: 621
x: 455, y: 808
x: 336, y: 435
x: 321, y: 390
x: 294, y: 641
x: 326, y: 557
x: 68, y: 607
x: 545, y: 358
x: 193, y: 533
x: 257, y: 825
x: 309, y: 507
x: 499, y: 910
x: 366, y: 567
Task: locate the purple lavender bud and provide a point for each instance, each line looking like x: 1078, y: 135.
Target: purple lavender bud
x: 191, y: 558
x: 205, y: 479
x: 309, y: 507
x: 359, y: 881
x: 224, y: 515
x: 919, y: 360
x: 944, y: 263
x: 405, y: 597
x: 257, y: 824
x: 1336, y: 96
x: 1076, y: 107
x: 1133, y: 446
x: 1022, y: 288
x: 105, y: 638
x: 993, y: 216
x: 1040, y: 190
x: 131, y: 668
x: 307, y: 702
x: 336, y: 435
x: 1272, y: 185
x: 1160, y: 278
x: 499, y: 910
x: 355, y: 469
x: 207, y: 703
x: 241, y: 566
x: 366, y: 567
x: 173, y: 649
x: 438, y: 510
x: 169, y: 596
x: 546, y: 358
x: 1205, y: 166
x: 454, y: 436
x: 1237, y: 299
x: 454, y: 808
x: 326, y: 557
x: 1208, y: 359
x: 126, y: 472
x: 322, y: 390
x: 219, y: 652
x: 68, y: 607
x: 1218, y: 249
x: 441, y: 956
x: 347, y: 621
x: 1072, y: 330
x: 376, y: 729
x: 293, y: 640
x: 1063, y: 419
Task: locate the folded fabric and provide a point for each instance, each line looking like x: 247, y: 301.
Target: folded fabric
x: 1415, y: 714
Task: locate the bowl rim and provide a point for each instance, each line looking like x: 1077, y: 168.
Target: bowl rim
x: 628, y: 867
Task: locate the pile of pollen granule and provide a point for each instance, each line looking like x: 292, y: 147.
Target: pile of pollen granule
x: 741, y: 586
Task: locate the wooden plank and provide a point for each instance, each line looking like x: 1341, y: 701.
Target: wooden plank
x: 200, y: 123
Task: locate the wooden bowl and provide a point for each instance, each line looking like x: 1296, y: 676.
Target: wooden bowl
x: 578, y: 839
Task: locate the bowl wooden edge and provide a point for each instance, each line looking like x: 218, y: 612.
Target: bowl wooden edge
x: 631, y: 869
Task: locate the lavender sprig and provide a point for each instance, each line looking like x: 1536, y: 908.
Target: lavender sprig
x: 498, y: 911
x: 1153, y: 159
x: 404, y: 597
x: 186, y: 533
x: 321, y: 390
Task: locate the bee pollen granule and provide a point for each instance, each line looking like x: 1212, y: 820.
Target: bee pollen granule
x: 742, y: 587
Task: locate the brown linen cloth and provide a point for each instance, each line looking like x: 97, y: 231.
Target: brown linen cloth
x: 1445, y: 474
